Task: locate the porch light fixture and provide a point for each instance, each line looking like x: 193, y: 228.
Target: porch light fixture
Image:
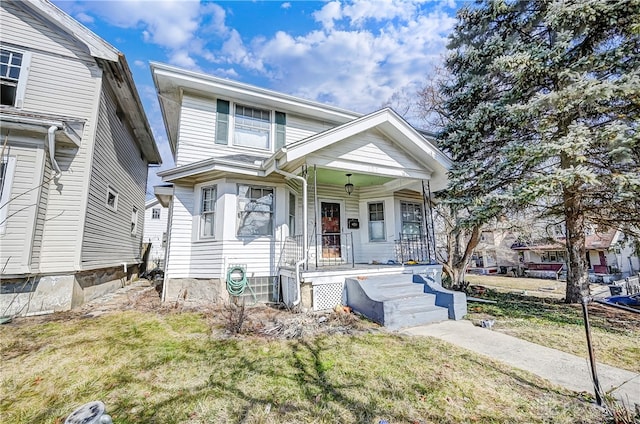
x: 348, y: 187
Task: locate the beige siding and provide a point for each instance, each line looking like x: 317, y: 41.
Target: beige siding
x: 117, y: 162
x: 15, y: 251
x: 61, y: 235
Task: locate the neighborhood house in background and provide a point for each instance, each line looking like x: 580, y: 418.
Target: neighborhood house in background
x: 156, y: 218
x: 76, y: 149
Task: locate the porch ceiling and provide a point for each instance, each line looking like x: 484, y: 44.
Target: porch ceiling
x: 339, y: 178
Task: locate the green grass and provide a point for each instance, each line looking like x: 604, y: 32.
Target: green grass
x: 550, y: 322
x: 168, y: 368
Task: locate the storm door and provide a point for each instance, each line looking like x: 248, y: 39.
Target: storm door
x: 330, y: 219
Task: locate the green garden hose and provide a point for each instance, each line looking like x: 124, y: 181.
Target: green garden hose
x: 237, y: 281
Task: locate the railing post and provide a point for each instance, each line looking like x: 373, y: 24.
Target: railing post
x: 353, y: 255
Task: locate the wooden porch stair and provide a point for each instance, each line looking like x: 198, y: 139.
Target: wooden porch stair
x: 403, y: 300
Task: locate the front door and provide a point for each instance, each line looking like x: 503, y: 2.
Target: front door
x: 330, y: 219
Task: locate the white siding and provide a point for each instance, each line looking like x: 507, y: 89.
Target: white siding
x: 196, y: 135
x: 117, y: 162
x: 299, y: 127
x: 369, y: 149
x: 16, y: 242
x: 196, y: 139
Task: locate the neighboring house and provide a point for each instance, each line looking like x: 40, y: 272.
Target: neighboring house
x: 610, y: 256
x: 155, y: 232
x: 289, y: 190
x: 493, y: 255
x: 76, y: 147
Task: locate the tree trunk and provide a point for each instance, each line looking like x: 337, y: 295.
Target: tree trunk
x: 577, y: 273
x: 456, y: 265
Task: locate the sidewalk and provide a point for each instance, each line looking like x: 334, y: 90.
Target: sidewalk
x: 563, y: 369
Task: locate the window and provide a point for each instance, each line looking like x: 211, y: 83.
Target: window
x: 255, y: 211
x: 14, y: 68
x: 411, y: 218
x: 155, y: 213
x: 292, y: 215
x: 7, y: 168
x: 134, y: 221
x: 252, y: 127
x: 112, y: 198
x: 207, y: 211
x: 376, y: 222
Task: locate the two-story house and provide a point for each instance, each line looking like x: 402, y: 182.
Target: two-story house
x: 287, y: 192
x: 76, y: 146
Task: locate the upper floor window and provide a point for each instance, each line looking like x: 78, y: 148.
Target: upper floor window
x: 13, y: 76
x: 255, y: 210
x: 249, y: 126
x: 411, y: 218
x: 155, y: 213
x: 252, y: 127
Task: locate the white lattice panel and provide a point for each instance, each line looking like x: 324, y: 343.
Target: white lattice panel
x: 327, y: 296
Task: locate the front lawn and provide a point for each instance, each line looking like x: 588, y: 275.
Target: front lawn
x: 175, y: 368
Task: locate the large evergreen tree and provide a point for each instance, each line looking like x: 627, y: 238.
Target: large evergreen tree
x: 544, y: 111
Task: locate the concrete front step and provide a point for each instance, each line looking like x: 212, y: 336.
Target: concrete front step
x: 394, y: 301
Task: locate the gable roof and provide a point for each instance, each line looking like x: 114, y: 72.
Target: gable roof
x: 389, y: 123
x: 115, y: 69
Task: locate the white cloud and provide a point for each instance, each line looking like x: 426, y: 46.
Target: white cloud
x: 84, y: 18
x: 285, y: 5
x: 329, y: 13
x: 140, y: 63
x: 357, y: 68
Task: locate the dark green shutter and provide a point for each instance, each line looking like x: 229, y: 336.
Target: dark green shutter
x: 222, y: 122
x: 281, y: 132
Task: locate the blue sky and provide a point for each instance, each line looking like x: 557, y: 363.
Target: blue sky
x: 354, y: 54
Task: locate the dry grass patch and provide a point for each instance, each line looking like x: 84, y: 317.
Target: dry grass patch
x: 183, y: 368
x: 552, y: 323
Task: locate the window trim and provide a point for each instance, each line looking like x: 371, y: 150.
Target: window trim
x: 25, y: 67
x: 240, y: 212
x: 201, y: 212
x: 110, y: 190
x: 226, y: 125
x: 420, y: 222
x: 5, y: 195
x: 369, y: 221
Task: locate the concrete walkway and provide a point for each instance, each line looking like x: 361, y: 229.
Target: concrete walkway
x: 563, y: 369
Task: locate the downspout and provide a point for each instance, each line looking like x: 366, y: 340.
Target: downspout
x: 51, y: 134
x: 305, y: 242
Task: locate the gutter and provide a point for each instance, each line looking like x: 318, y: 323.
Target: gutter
x: 305, y: 242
